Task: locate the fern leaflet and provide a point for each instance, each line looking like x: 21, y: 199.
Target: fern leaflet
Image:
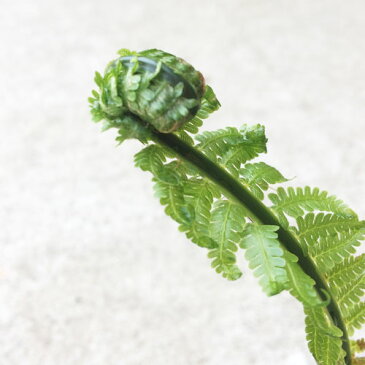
x: 324, y: 339
x: 226, y: 225
x: 199, y: 193
x: 232, y: 147
x: 295, y: 201
x: 258, y: 176
x: 313, y: 226
x: 209, y: 104
x: 355, y: 317
x: 347, y: 272
x: 159, y: 99
x: 151, y: 159
x: 300, y: 285
x: 331, y: 250
x: 265, y: 257
x: 350, y: 294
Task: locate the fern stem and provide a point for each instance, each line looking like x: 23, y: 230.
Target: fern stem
x: 260, y: 213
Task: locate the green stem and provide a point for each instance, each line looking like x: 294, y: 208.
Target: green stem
x: 259, y: 213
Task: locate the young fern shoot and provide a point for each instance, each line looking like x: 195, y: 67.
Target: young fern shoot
x: 305, y: 242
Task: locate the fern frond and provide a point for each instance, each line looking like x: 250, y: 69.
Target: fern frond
x: 324, y: 339
x: 185, y: 137
x: 172, y: 196
x: 349, y: 295
x: 151, y: 159
x: 156, y: 97
x: 355, y: 317
x: 331, y: 250
x: 265, y: 257
x: 300, y: 285
x: 254, y: 143
x: 215, y: 143
x: 295, y: 201
x: 258, y: 176
x: 313, y: 226
x: 347, y: 272
x: 180, y: 167
x: 232, y: 147
x: 209, y: 104
x: 199, y: 193
x: 226, y: 225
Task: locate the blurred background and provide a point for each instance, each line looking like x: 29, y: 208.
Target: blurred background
x: 91, y: 270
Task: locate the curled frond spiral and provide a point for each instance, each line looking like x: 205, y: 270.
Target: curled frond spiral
x: 150, y: 89
x: 306, y: 242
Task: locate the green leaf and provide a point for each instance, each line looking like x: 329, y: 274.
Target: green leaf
x: 152, y: 159
x: 265, y: 257
x: 226, y: 225
x: 258, y: 176
x: 324, y: 339
x: 295, y: 201
x: 232, y: 147
x: 98, y: 79
x: 128, y: 128
x: 252, y: 144
x: 126, y: 52
x: 331, y: 250
x: 346, y: 272
x: 209, y: 104
x: 355, y: 317
x: 172, y: 196
x: 313, y: 226
x: 199, y: 194
x: 349, y: 295
x: 300, y: 285
x: 215, y: 143
x: 185, y: 137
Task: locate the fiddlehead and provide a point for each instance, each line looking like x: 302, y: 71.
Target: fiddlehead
x: 160, y: 99
x: 151, y: 86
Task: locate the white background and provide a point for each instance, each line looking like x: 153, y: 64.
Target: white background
x: 91, y: 270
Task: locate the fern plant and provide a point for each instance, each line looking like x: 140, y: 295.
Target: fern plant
x: 304, y: 241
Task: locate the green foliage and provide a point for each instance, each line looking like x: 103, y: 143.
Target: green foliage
x: 324, y: 339
x: 172, y: 196
x: 232, y: 147
x: 152, y: 159
x: 149, y: 89
x: 209, y: 104
x: 332, y: 249
x: 295, y: 201
x: 220, y: 225
x: 355, y: 317
x: 179, y: 67
x: 350, y: 294
x: 313, y: 226
x: 258, y: 177
x: 348, y: 271
x: 226, y: 226
x: 199, y: 193
x: 300, y: 285
x: 214, y: 213
x: 265, y: 256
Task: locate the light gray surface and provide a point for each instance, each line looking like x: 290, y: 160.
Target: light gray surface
x: 91, y: 271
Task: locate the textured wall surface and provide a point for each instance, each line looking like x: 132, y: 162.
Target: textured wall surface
x: 91, y: 271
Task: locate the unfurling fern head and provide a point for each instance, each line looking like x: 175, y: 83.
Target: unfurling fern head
x: 306, y: 242
x: 152, y: 86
